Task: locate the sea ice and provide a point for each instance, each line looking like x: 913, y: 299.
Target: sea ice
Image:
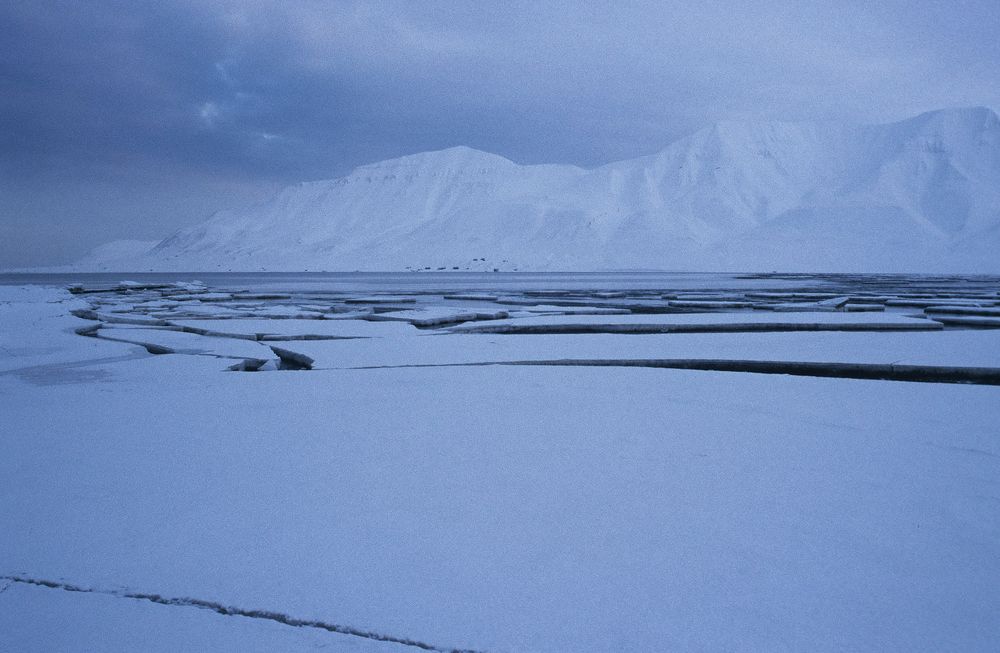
x: 495, y: 507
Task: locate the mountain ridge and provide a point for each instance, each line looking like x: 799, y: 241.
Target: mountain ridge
x: 917, y: 194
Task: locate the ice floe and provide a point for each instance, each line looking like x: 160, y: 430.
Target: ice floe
x: 700, y: 322
x: 298, y: 329
x: 430, y: 317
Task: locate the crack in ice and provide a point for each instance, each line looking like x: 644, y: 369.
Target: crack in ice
x: 861, y: 371
x: 231, y: 611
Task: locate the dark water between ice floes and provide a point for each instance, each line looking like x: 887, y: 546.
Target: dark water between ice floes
x: 497, y: 281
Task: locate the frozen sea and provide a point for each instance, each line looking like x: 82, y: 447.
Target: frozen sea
x: 505, y: 462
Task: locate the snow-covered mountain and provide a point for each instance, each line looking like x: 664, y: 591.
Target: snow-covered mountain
x: 918, y: 195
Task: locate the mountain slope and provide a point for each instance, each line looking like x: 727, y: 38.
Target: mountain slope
x: 921, y: 194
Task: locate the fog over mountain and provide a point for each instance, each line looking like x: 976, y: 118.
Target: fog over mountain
x: 922, y: 194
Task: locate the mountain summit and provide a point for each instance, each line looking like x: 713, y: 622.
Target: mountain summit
x: 922, y: 194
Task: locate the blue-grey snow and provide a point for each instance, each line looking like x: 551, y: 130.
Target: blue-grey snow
x: 539, y: 462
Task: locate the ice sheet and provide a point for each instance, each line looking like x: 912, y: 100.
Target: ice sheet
x: 690, y: 321
x: 513, y: 508
x: 972, y: 348
x: 498, y: 508
x: 296, y: 328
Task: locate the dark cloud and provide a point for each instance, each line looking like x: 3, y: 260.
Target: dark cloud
x: 129, y: 119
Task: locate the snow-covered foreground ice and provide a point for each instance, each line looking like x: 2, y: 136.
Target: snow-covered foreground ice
x: 99, y: 622
x: 493, y: 508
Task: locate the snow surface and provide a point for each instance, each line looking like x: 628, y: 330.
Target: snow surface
x: 38, y: 620
x: 702, y: 320
x: 956, y: 348
x: 297, y: 328
x: 495, y: 508
x: 921, y: 194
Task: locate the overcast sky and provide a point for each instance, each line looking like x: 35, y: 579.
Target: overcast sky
x: 131, y: 119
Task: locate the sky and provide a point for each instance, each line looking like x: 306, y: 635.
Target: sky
x: 130, y: 119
